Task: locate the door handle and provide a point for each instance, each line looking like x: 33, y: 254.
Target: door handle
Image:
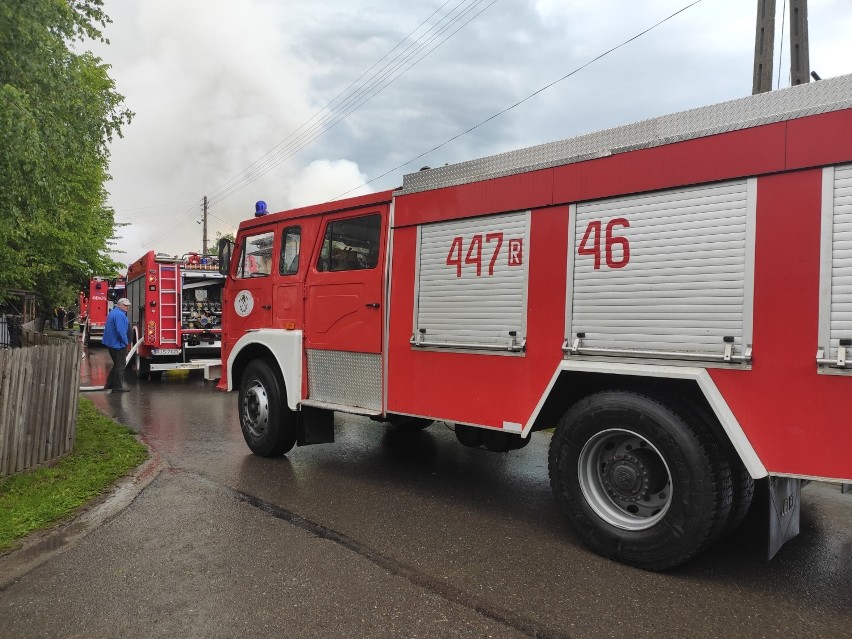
x: 266, y: 306
x: 372, y: 305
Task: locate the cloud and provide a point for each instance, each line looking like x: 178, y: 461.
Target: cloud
x: 322, y: 177
x: 217, y: 84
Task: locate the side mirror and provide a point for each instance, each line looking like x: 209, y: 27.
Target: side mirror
x: 226, y: 248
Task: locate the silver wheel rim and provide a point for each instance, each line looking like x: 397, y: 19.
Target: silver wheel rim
x: 255, y: 409
x: 625, y: 479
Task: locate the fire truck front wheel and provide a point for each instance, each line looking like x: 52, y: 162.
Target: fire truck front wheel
x: 637, y: 482
x: 268, y: 425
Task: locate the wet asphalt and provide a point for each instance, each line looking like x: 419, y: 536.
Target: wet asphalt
x: 385, y: 534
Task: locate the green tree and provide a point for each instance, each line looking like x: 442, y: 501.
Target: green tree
x: 223, y: 236
x: 58, y: 112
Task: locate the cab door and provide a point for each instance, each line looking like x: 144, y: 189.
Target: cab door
x: 344, y: 310
x: 248, y: 302
x: 288, y: 311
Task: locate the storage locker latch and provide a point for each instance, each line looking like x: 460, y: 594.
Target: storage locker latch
x: 517, y: 345
x: 729, y: 347
x: 841, y: 352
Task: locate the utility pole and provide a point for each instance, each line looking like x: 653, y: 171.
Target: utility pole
x: 800, y: 64
x: 204, y: 236
x: 764, y: 45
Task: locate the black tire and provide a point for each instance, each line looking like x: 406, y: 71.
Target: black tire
x: 268, y: 425
x: 742, y: 495
x: 699, y: 418
x: 469, y: 435
x: 143, y: 367
x: 637, y: 482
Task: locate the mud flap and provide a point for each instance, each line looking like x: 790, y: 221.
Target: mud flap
x: 784, y: 508
x: 314, y: 426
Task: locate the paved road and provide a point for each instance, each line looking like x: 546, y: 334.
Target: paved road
x: 387, y: 534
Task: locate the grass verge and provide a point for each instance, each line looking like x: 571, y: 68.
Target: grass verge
x: 103, y: 452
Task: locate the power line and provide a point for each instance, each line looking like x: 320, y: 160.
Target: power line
x: 520, y: 102
x: 316, y: 130
x: 340, y: 107
x: 371, y: 89
x: 217, y: 217
x: 155, y: 209
x: 124, y: 214
x: 274, y: 157
x: 227, y: 184
x: 186, y: 217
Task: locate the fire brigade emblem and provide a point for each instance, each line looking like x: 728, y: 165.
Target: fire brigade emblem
x: 243, y: 303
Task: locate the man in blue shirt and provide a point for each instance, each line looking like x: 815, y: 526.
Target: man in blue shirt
x: 115, y: 339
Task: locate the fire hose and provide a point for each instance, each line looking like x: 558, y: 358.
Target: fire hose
x: 130, y: 354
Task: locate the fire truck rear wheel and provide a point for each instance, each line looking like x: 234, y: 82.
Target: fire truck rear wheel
x: 143, y: 367
x: 743, y: 493
x: 638, y: 483
x: 268, y: 426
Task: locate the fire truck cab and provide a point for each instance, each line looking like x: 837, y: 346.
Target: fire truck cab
x: 175, y: 311
x: 674, y: 297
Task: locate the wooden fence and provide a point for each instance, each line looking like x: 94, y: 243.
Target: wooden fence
x: 32, y: 334
x: 39, y: 387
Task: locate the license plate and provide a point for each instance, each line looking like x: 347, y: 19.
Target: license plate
x: 165, y: 351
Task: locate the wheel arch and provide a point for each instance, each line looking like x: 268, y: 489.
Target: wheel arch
x: 283, y: 349
x: 575, y: 380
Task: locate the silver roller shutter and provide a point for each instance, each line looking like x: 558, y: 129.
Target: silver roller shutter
x: 686, y: 284
x: 836, y: 267
x: 458, y: 308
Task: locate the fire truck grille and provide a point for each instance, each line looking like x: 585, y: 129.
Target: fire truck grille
x: 349, y: 379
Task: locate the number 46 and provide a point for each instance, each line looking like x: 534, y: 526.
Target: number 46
x: 591, y: 243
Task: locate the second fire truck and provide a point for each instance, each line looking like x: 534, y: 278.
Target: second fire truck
x: 175, y: 312
x: 94, y: 308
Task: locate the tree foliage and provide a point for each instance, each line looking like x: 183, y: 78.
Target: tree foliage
x: 223, y: 236
x: 58, y: 112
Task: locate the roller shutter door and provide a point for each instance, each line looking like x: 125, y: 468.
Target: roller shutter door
x: 666, y: 273
x: 471, y: 283
x: 836, y: 267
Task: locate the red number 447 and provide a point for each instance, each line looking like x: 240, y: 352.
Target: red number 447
x: 473, y: 256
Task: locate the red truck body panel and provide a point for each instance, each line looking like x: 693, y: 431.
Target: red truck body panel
x: 793, y: 414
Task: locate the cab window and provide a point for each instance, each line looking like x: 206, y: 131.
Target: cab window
x: 256, y: 255
x: 351, y: 244
x: 291, y: 241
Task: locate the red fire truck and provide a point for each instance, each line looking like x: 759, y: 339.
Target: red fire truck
x: 176, y: 310
x: 103, y: 293
x: 674, y: 297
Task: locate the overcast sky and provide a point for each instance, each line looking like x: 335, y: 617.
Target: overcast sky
x: 217, y: 85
